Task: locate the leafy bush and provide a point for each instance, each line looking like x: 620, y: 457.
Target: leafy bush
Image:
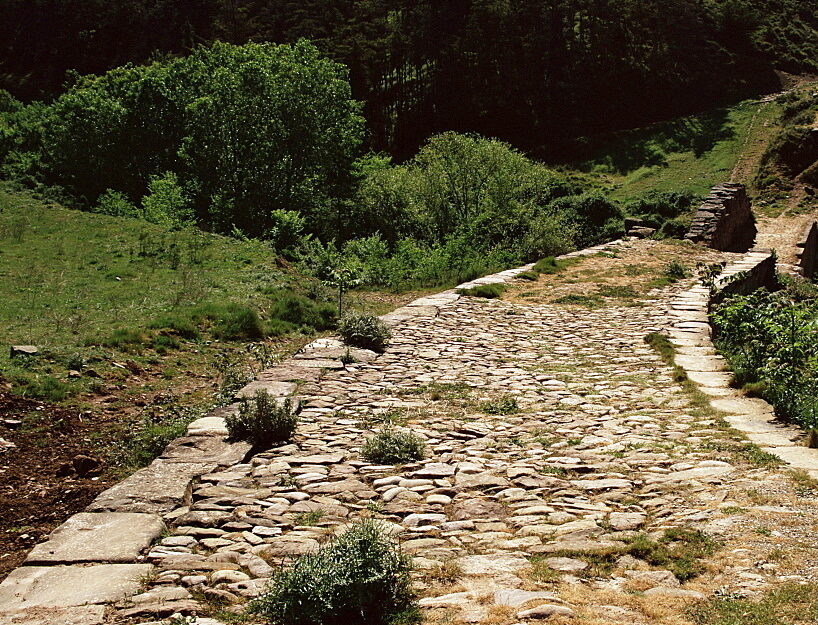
x: 231, y: 321
x: 771, y: 342
x: 366, y: 331
x: 262, y: 421
x: 391, y: 446
x: 360, y: 576
x: 302, y: 311
x: 233, y: 133
x: 675, y: 270
x: 488, y: 291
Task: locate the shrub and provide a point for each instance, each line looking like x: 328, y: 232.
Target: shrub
x: 301, y: 311
x: 366, y: 331
x: 232, y: 321
x: 116, y: 204
x: 361, y: 576
x: 125, y: 337
x: 675, y: 270
x: 180, y: 326
x: 262, y: 421
x: 489, y: 291
x: 528, y: 275
x: 390, y: 446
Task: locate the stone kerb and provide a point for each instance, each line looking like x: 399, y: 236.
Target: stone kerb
x: 695, y: 353
x: 808, y: 251
x: 96, y: 557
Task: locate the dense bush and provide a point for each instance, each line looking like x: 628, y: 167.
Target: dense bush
x: 232, y: 135
x: 771, y: 342
x: 360, y: 576
x: 391, y: 446
x: 262, y: 421
x: 662, y: 210
x: 366, y: 331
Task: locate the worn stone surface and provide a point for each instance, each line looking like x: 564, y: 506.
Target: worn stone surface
x: 67, y: 586
x: 98, y: 537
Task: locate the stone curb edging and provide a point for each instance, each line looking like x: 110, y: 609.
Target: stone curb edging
x: 96, y: 557
x: 696, y: 355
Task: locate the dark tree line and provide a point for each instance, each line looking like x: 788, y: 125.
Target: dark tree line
x: 532, y: 72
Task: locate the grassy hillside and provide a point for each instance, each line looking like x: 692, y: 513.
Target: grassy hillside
x: 123, y: 311
x: 688, y: 154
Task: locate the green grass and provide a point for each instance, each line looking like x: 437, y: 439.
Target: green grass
x: 90, y: 290
x: 686, y: 154
x: 488, y: 291
x: 787, y: 604
x: 550, y: 265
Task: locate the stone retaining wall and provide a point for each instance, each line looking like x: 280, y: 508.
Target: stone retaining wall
x: 808, y: 256
x: 724, y: 221
x: 691, y: 336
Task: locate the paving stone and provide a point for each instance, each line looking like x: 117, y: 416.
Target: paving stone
x: 98, y: 537
x: 67, y: 586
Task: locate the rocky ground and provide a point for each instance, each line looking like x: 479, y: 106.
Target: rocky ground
x: 605, y: 492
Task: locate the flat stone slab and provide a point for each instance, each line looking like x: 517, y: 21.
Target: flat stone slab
x: 68, y: 586
x: 743, y: 406
x: 273, y: 388
x: 77, y: 615
x: 158, y: 488
x: 98, y: 537
x: 710, y: 378
x: 205, y: 449
x: 798, y: 457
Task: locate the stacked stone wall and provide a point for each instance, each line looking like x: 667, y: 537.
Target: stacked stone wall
x: 808, y: 256
x: 724, y: 221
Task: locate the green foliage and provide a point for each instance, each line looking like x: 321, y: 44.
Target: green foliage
x: 116, y: 204
x: 391, y: 446
x: 771, y: 341
x: 300, y: 311
x: 786, y: 604
x: 366, y: 331
x: 531, y: 276
x: 166, y: 203
x: 233, y: 322
x: 235, y: 135
x: 501, y: 405
x: 676, y: 270
x: 596, y: 219
x: 262, y: 421
x: 360, y: 576
x: 488, y: 291
x: 44, y: 387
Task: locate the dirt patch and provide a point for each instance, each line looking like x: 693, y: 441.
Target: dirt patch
x: 35, y: 497
x: 622, y: 276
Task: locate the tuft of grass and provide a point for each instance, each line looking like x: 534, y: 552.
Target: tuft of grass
x: 488, y: 291
x: 620, y: 291
x: 500, y: 405
x: 391, y: 446
x: 531, y: 276
x: 589, y: 301
x: 308, y: 518
x: 360, y: 576
x: 788, y: 604
x: 550, y: 265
